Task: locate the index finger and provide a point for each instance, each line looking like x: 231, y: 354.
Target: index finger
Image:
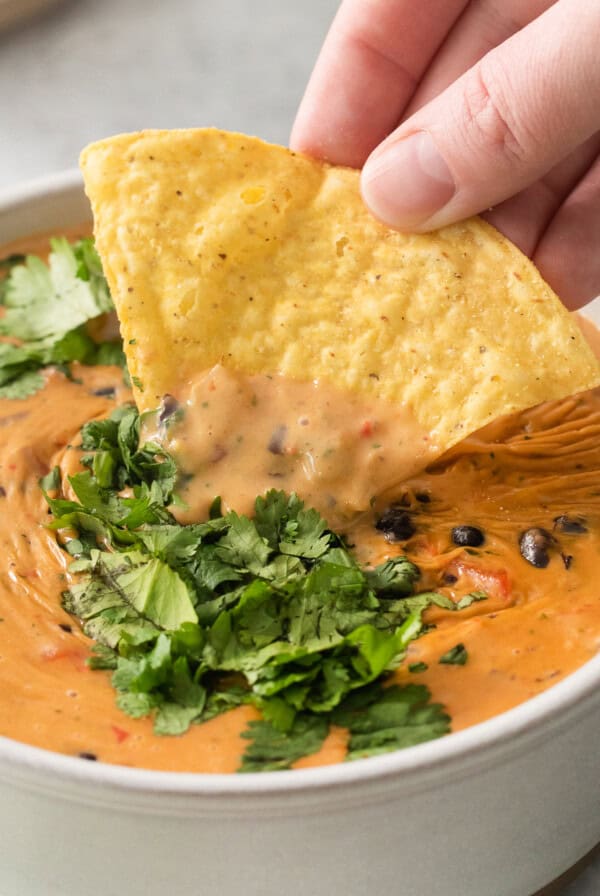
x: 368, y: 69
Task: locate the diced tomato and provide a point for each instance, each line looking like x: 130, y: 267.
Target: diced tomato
x: 495, y: 581
x: 422, y: 544
x: 367, y: 428
x: 120, y: 733
x: 76, y: 657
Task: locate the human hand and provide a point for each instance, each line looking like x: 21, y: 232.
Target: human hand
x: 455, y: 107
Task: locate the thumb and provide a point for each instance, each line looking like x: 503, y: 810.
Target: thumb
x: 497, y: 129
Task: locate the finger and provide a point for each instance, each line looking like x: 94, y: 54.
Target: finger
x: 568, y: 256
x: 483, y: 25
x: 505, y: 123
x: 524, y: 218
x: 371, y: 61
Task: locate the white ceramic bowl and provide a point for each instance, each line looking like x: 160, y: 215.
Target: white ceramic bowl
x: 500, y: 809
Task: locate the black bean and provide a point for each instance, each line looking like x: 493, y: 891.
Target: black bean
x: 105, y: 392
x: 467, y: 536
x: 449, y: 578
x: 570, y: 525
x: 168, y: 406
x: 90, y: 756
x: 396, y: 525
x: 534, y: 545
x: 277, y: 441
x: 65, y: 627
x: 423, y: 497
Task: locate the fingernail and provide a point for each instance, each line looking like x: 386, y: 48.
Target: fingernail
x: 407, y: 182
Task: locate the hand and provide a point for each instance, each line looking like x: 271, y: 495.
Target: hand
x: 455, y: 107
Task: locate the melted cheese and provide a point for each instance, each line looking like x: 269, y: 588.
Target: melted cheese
x: 536, y: 626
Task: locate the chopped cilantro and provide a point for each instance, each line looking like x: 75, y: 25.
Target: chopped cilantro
x: 471, y: 598
x: 270, y: 749
x: 47, y: 301
x: 10, y: 260
x: 418, y: 667
x: 382, y: 719
x: 396, y: 577
x: 271, y: 610
x: 456, y: 656
x: 22, y: 386
x: 47, y: 308
x: 51, y: 481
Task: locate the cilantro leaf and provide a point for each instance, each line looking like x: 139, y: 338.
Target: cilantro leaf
x: 471, y: 598
x: 272, y: 749
x: 173, y: 718
x: 47, y: 301
x: 51, y: 481
x: 396, y: 577
x: 418, y: 667
x: 242, y: 546
x: 149, y: 586
x: 47, y: 308
x: 137, y: 705
x: 383, y: 719
x: 28, y: 383
x: 456, y: 656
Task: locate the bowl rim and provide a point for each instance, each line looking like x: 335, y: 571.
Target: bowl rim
x: 40, y: 188
x: 554, y: 706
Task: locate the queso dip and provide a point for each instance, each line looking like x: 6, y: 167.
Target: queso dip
x: 513, y: 512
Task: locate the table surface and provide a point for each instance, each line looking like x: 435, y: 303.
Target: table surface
x: 89, y: 68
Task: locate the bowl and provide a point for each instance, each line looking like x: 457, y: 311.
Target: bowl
x: 499, y: 809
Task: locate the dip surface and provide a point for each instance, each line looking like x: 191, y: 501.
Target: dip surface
x: 537, y: 469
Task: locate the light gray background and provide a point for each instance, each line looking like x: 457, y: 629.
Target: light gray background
x: 90, y: 68
x: 95, y: 67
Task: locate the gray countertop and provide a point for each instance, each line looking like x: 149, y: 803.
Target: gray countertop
x: 89, y: 68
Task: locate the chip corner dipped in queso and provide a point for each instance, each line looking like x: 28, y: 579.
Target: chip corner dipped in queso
x: 249, y: 271
x: 355, y: 504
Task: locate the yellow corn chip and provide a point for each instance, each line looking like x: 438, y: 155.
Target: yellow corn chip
x: 220, y: 248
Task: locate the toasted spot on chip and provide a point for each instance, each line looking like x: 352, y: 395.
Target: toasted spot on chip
x: 222, y: 249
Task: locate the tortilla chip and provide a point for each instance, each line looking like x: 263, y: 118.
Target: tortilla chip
x: 220, y: 248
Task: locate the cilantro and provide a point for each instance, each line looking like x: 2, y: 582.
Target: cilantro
x: 47, y: 301
x: 382, y: 719
x: 456, y: 656
x: 149, y: 586
x: 271, y: 610
x: 270, y: 749
x: 102, y: 658
x: 47, y: 308
x: 242, y: 546
x: 5, y: 266
x: 173, y: 718
x: 10, y: 260
x: 51, y: 481
x: 418, y: 667
x: 28, y: 383
x: 396, y: 577
x: 471, y: 598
